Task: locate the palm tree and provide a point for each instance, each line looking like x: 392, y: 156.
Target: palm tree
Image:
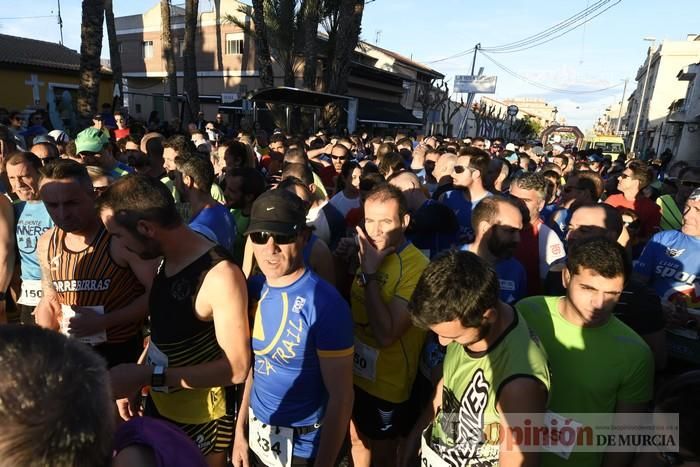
x: 262, y: 45
x: 311, y: 17
x: 190, y: 57
x: 90, y: 50
x: 115, y: 60
x: 168, y: 55
x: 349, y: 26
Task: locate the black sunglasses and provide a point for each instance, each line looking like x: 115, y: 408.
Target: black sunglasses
x: 460, y: 169
x: 691, y: 183
x: 261, y: 238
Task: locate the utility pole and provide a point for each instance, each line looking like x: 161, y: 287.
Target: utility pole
x: 644, y: 91
x: 60, y: 21
x: 619, y: 114
x: 470, y: 96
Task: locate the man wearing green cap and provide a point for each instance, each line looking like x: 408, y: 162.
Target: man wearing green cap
x: 92, y: 147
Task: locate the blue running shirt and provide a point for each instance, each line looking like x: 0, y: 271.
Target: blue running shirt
x: 294, y: 327
x: 32, y: 220
x: 217, y: 220
x: 462, y: 208
x: 671, y: 260
x: 512, y: 279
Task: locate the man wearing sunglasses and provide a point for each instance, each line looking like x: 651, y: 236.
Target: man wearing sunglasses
x: 298, y: 396
x: 467, y: 178
x: 632, y: 181
x: 32, y: 220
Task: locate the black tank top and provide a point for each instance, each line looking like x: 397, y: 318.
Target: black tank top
x: 175, y: 328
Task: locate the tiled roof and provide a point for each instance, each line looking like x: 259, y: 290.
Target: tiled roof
x: 23, y: 51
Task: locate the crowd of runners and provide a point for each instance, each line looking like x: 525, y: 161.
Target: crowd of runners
x: 213, y: 297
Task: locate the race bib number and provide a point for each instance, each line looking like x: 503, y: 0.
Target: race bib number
x: 155, y: 357
x: 68, y: 313
x: 428, y: 457
x: 560, y: 448
x: 31, y: 293
x: 365, y: 360
x: 272, y: 444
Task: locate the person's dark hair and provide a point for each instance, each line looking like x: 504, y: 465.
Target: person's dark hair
x: 613, y: 217
x: 391, y: 162
x: 595, y: 179
x: 457, y: 285
x: 278, y: 138
x: 253, y: 180
x: 473, y: 151
x: 345, y: 171
x: 681, y: 396
x: 300, y: 171
x: 56, y: 401
x: 135, y: 158
x: 383, y: 150
x: 154, y: 148
x: 239, y: 152
x: 604, y: 256
x: 180, y: 144
x: 532, y: 181
x: 24, y: 157
x: 62, y: 169
x: 135, y: 198
x: 641, y: 172
x: 480, y: 163
x: 199, y: 169
x: 8, y: 141
x: 564, y: 159
x: 385, y: 192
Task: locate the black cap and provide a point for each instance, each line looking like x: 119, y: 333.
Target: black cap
x: 277, y: 211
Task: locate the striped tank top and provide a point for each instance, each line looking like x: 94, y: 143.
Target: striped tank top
x: 91, y: 278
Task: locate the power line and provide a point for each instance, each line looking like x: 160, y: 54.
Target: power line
x: 544, y: 86
x: 549, y: 39
x: 27, y: 17
x: 562, y: 25
x: 567, y: 25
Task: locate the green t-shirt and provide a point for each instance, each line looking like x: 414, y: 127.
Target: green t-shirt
x: 592, y: 368
x: 471, y: 385
x: 242, y: 223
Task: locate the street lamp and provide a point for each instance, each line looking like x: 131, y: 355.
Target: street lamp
x: 644, y: 90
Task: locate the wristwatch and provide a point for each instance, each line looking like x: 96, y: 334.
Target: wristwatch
x: 158, y: 376
x: 365, y: 277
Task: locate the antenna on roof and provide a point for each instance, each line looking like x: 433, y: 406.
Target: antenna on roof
x: 60, y: 21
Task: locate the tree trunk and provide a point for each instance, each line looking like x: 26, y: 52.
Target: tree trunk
x: 349, y: 25
x: 262, y: 47
x: 189, y: 56
x: 311, y: 10
x: 115, y: 59
x: 90, y: 50
x: 169, y: 56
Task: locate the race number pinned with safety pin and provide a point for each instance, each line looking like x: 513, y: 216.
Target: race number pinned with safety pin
x: 272, y: 444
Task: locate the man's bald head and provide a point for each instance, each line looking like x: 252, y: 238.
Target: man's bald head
x: 444, y: 166
x: 405, y: 181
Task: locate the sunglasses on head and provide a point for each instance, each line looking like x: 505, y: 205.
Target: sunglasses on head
x: 261, y: 238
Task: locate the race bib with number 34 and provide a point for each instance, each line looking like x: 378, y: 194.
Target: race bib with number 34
x: 272, y: 444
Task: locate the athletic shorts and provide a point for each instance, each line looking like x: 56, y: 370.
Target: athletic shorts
x: 379, y: 419
x: 25, y: 314
x: 210, y: 437
x: 296, y: 461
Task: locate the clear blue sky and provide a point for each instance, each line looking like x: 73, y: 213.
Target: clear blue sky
x: 604, y: 52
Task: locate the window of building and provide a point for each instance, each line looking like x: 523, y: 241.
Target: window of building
x: 147, y: 49
x: 181, y: 47
x: 234, y: 44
